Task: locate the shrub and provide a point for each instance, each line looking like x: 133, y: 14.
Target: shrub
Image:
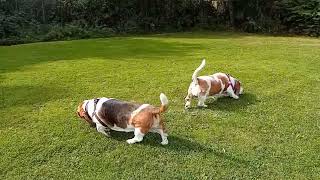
x: 301, y: 16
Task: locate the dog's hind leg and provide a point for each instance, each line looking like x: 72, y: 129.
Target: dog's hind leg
x: 138, y: 136
x: 164, y: 136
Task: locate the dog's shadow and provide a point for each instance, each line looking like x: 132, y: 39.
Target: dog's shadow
x: 228, y: 103
x: 179, y: 145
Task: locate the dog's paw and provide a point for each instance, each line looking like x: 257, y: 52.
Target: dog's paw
x: 187, y: 105
x: 235, y: 97
x: 107, y: 134
x: 165, y: 142
x: 202, y: 106
x: 131, y: 141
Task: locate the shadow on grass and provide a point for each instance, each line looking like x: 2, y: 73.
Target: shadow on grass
x: 180, y: 145
x: 228, y: 103
x: 12, y: 96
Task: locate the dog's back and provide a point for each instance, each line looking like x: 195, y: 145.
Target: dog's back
x: 116, y: 112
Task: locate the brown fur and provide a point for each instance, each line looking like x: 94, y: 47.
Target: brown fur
x: 143, y: 120
x: 215, y: 85
x: 148, y: 118
x: 203, y: 86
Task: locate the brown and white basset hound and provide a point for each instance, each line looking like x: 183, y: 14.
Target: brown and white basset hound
x: 212, y: 85
x: 106, y: 114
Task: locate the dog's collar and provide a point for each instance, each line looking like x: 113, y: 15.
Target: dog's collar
x: 95, y: 102
x: 230, y: 84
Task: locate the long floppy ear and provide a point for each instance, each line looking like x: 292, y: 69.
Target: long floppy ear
x: 79, y: 108
x: 237, y: 87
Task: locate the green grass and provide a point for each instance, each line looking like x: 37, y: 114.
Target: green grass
x: 271, y: 132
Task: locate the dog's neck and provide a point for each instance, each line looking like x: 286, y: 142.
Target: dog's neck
x: 88, y: 107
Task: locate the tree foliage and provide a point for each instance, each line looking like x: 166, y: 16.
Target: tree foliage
x: 60, y: 19
x: 300, y: 16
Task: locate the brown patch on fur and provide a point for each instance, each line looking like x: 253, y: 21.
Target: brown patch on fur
x: 225, y: 81
x: 203, y: 86
x: 215, y: 85
x: 157, y: 110
x: 163, y: 108
x: 148, y: 118
x: 144, y: 121
x: 237, y: 87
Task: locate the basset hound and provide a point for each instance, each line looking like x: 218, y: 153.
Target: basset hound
x: 107, y: 113
x: 218, y: 84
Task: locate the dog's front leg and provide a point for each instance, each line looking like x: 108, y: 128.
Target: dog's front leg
x: 231, y: 93
x: 103, y: 130
x: 188, y: 99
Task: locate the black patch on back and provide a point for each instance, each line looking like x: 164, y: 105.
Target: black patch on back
x: 116, y: 112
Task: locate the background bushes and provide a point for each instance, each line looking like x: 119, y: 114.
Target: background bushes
x: 45, y: 20
x: 300, y: 16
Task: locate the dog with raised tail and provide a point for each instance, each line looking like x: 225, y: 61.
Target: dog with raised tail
x: 108, y: 113
x: 218, y: 84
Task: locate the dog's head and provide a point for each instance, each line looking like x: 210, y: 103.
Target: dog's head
x: 82, y: 112
x: 238, y: 88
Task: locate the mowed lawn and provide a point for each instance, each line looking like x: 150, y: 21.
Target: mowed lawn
x: 271, y: 132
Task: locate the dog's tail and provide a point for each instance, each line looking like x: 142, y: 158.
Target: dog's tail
x: 164, y: 103
x: 195, y: 74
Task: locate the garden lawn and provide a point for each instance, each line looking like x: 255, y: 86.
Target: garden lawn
x: 271, y: 132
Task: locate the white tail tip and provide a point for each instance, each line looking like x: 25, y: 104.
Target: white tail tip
x: 164, y: 100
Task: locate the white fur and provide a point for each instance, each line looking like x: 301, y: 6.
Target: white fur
x: 164, y: 100
x: 129, y: 128
x: 195, y: 73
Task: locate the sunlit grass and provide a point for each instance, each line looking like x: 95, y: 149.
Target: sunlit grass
x: 272, y: 131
